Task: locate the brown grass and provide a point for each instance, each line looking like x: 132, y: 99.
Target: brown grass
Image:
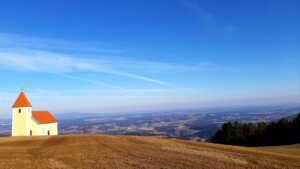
x: 109, y: 151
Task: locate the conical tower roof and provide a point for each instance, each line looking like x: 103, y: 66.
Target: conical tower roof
x: 22, y: 101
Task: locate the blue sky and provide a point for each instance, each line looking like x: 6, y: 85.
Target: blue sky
x: 118, y: 56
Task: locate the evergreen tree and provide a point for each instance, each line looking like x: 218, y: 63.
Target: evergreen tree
x: 260, y: 134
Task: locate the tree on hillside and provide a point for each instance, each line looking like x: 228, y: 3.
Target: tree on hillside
x: 248, y: 134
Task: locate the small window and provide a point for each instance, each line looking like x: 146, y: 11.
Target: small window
x: 19, y: 110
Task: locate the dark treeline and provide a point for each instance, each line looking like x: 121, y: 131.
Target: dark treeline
x: 260, y: 134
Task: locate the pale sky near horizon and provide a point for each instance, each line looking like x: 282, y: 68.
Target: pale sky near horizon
x: 120, y: 56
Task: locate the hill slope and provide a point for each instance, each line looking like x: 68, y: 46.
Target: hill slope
x: 110, y: 151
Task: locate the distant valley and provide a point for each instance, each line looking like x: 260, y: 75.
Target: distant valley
x: 196, y: 124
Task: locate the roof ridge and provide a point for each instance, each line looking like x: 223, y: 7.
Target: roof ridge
x: 43, y: 117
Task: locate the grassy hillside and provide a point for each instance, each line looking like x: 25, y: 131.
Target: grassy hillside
x: 109, y: 151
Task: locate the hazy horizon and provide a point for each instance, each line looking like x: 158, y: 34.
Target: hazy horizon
x: 148, y: 55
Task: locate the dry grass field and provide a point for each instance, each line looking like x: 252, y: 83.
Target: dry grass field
x: 125, y: 152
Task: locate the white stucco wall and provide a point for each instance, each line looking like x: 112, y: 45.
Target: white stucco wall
x: 23, y: 124
x: 21, y: 121
x: 43, y: 129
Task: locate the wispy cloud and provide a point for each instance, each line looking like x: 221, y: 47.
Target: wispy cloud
x: 40, y: 61
x: 87, y: 80
x: 15, y: 55
x: 169, y: 67
x: 8, y: 40
x: 206, y: 18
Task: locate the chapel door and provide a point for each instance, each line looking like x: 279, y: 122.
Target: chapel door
x: 30, y: 132
x: 48, y: 133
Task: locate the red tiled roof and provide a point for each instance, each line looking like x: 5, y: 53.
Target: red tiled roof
x: 43, y: 117
x: 21, y: 101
